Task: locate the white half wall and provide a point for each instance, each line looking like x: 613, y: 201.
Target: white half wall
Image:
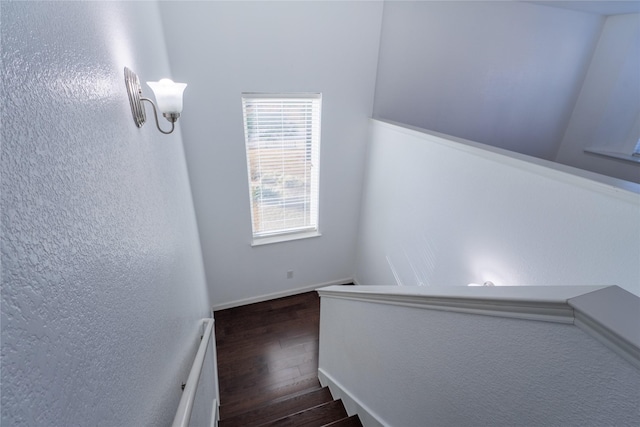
x: 222, y: 49
x: 103, y: 286
x: 442, y: 211
x: 407, y: 366
x: 504, y: 73
x: 607, y: 113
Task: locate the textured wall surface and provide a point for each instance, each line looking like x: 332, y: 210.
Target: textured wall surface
x: 102, y: 277
x: 442, y: 213
x: 417, y: 367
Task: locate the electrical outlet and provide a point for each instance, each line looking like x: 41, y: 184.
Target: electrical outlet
x: 290, y: 274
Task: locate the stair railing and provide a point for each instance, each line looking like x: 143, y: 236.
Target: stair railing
x: 185, y: 407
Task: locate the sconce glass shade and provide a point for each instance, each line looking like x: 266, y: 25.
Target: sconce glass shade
x: 168, y: 95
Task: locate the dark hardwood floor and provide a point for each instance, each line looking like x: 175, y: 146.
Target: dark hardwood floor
x: 267, y: 351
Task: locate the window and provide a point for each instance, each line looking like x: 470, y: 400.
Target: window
x: 282, y: 138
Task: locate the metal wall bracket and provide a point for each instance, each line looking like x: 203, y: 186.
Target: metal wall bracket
x: 134, y: 90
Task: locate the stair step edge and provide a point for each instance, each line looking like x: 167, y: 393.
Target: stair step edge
x: 313, y: 386
x: 254, y: 417
x: 278, y: 421
x: 352, y: 421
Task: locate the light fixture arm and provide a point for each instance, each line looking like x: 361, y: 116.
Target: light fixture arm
x: 171, y: 117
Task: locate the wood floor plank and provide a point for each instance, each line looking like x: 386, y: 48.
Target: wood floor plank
x: 299, y: 359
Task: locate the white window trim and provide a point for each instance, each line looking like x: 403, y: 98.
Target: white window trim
x: 265, y: 238
x: 279, y: 238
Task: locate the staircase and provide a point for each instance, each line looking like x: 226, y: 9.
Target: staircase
x: 268, y: 366
x: 312, y: 407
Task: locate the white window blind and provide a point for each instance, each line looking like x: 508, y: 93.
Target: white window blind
x: 282, y: 137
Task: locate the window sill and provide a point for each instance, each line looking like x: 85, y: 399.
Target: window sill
x: 260, y: 241
x: 614, y: 154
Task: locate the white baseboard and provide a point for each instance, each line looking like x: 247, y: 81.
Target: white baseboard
x: 279, y: 294
x: 352, y: 404
x: 215, y: 413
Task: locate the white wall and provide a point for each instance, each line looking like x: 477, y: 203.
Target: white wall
x: 501, y: 73
x: 222, y: 49
x: 416, y: 367
x: 608, y: 107
x: 102, y: 277
x: 442, y: 213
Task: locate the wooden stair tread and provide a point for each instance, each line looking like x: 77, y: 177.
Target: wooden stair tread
x: 352, y: 421
x: 279, y: 408
x: 230, y: 409
x: 317, y: 416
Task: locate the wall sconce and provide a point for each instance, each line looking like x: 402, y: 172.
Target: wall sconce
x: 168, y: 96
